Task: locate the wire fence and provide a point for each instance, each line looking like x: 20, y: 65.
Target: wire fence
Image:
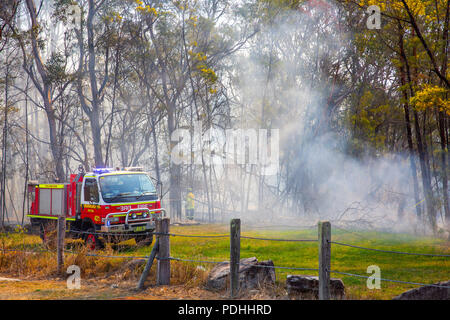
x: 27, y: 251
x: 283, y: 240
x: 390, y: 280
x: 313, y: 269
x: 305, y: 269
x: 111, y: 234
x: 198, y: 261
x: 389, y: 251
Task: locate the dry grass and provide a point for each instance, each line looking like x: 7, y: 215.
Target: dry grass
x: 37, y: 264
x: 21, y: 264
x: 102, y: 278
x: 188, y: 275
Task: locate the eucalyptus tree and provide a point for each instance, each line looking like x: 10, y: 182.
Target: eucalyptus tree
x: 49, y: 77
x: 8, y: 13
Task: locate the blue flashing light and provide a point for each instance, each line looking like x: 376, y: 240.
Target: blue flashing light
x: 102, y: 170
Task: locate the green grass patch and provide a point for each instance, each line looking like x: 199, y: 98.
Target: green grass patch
x: 409, y: 268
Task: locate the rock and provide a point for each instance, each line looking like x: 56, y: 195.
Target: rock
x: 307, y: 287
x: 427, y: 293
x: 251, y: 275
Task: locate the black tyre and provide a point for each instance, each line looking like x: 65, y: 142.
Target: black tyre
x: 92, y: 240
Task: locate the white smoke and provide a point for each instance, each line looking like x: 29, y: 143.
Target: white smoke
x: 282, y: 74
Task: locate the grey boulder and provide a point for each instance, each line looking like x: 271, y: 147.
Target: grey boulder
x: 307, y: 287
x: 252, y: 275
x: 427, y: 293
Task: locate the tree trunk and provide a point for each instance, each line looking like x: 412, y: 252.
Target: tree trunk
x: 55, y: 146
x: 46, y: 92
x: 412, y: 161
x: 94, y: 116
x: 426, y: 181
x: 4, y: 147
x: 442, y: 116
x: 155, y: 145
x: 175, y: 192
x: 96, y: 137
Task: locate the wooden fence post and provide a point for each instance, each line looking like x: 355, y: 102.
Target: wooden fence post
x: 235, y: 255
x: 61, y: 234
x: 324, y: 259
x: 148, y: 266
x: 163, y: 270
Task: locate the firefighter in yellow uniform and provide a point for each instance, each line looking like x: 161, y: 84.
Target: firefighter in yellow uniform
x: 190, y: 205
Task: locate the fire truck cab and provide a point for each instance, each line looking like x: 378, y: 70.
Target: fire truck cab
x: 105, y: 205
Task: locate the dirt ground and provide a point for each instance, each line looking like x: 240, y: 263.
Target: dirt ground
x: 96, y: 289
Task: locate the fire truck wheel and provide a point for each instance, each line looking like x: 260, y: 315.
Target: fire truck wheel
x: 92, y: 240
x: 144, y: 240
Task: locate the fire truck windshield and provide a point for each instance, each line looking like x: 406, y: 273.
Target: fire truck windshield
x: 127, y: 188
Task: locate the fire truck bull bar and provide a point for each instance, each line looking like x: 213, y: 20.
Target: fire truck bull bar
x: 149, y: 224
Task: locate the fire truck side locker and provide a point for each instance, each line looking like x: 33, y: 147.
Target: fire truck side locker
x: 51, y: 202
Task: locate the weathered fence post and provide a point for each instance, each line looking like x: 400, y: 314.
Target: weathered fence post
x: 324, y: 259
x: 148, y: 266
x: 163, y: 270
x: 235, y: 255
x: 61, y: 234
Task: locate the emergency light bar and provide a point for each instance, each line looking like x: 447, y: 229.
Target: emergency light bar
x: 102, y: 170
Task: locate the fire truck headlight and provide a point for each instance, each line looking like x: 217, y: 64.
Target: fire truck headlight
x: 133, y: 215
x: 145, y: 215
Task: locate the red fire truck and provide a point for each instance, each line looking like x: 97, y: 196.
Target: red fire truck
x: 105, y: 205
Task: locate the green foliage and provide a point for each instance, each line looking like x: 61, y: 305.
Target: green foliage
x: 56, y: 69
x: 432, y: 97
x: 369, y: 123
